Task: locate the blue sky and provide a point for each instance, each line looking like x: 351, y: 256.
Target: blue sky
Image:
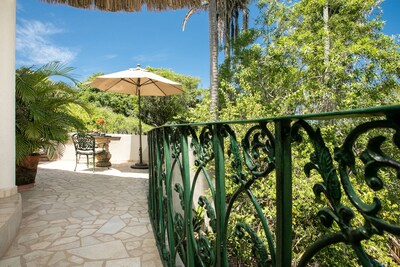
x: 93, y: 41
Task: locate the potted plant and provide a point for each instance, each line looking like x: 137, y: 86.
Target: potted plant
x: 43, y: 117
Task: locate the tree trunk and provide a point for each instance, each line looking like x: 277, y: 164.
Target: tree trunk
x: 326, y: 38
x: 327, y: 104
x: 212, y: 17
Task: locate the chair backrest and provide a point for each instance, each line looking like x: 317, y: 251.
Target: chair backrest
x: 83, y: 142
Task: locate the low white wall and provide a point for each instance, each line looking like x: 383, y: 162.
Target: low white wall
x: 124, y: 150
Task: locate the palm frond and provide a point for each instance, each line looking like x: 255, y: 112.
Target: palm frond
x: 128, y: 5
x: 192, y: 11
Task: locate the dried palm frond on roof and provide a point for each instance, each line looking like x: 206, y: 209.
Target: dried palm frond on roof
x: 128, y: 5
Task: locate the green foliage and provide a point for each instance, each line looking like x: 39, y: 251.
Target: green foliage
x: 117, y: 103
x: 171, y: 109
x: 296, y: 73
x: 43, y: 110
x: 113, y: 122
x: 296, y: 63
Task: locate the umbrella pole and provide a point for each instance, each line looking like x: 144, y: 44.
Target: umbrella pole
x: 140, y: 164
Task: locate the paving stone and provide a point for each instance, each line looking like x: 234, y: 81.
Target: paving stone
x: 58, y: 256
x: 132, y: 262
x: 137, y: 230
x: 90, y: 218
x: 37, y: 255
x: 132, y: 245
x: 100, y: 221
x: 89, y: 240
x: 80, y: 214
x: 71, y: 232
x: 28, y: 237
x: 94, y: 212
x: 105, y: 238
x: 76, y: 260
x: 122, y: 236
x: 59, y: 221
x: 53, y: 237
x: 136, y: 253
x: 73, y: 226
x: 75, y: 244
x: 74, y: 220
x: 93, y: 264
x: 86, y: 232
x: 65, y: 240
x: 149, y: 243
x: 112, y: 226
x: 103, y: 251
x: 87, y: 222
x: 41, y: 245
x: 55, y: 216
x: 151, y: 264
x: 50, y: 231
x: 149, y: 256
x: 63, y: 263
x: 38, y: 223
x: 11, y: 262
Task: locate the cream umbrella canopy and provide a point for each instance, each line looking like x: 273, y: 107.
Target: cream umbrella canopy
x: 140, y: 82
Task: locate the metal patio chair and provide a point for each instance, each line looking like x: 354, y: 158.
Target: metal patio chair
x: 85, y: 145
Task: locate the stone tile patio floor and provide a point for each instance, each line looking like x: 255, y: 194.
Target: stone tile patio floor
x: 84, y: 219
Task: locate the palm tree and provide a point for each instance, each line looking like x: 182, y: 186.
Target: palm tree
x: 223, y: 19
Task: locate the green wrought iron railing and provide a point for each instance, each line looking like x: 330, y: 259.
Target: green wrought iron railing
x: 286, y: 191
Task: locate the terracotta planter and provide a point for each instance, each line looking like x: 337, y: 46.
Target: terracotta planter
x: 25, y: 172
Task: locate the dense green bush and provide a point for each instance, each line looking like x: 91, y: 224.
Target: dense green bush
x: 112, y: 122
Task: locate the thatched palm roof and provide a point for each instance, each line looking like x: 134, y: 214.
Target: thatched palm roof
x: 128, y: 5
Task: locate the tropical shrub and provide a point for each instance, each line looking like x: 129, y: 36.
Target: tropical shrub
x: 43, y: 110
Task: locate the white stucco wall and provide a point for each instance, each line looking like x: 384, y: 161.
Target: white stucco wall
x: 7, y: 97
x: 124, y: 150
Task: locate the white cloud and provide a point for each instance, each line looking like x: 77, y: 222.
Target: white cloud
x: 35, y: 47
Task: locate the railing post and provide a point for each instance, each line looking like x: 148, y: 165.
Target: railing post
x: 283, y: 194
x: 220, y: 197
x: 151, y: 161
x: 152, y: 142
x: 168, y: 189
x: 159, y: 192
x: 188, y: 202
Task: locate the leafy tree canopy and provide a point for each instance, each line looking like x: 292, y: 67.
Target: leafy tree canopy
x: 300, y: 61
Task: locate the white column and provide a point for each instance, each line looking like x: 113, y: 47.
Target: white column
x: 7, y: 97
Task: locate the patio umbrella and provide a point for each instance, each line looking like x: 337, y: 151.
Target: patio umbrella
x: 140, y: 82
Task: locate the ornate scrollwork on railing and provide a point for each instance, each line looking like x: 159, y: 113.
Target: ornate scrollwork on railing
x: 374, y: 159
x: 232, y: 163
x: 259, y: 250
x: 252, y: 146
x: 259, y: 159
x: 179, y: 235
x: 204, y: 251
x: 206, y: 205
x: 202, y: 146
x: 179, y: 189
x: 175, y: 143
x: 203, y: 153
